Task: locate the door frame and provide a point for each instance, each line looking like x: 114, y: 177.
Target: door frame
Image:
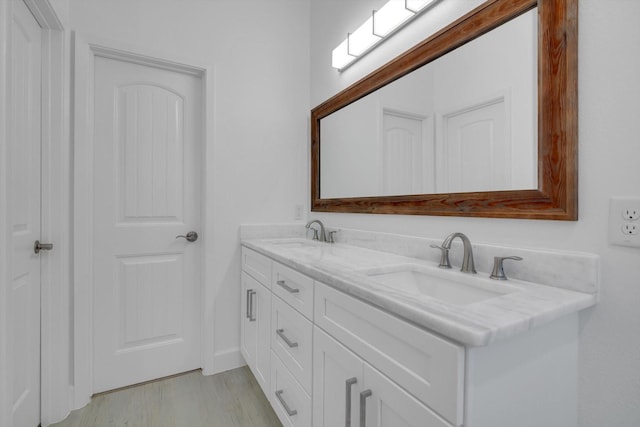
x: 87, y: 48
x: 55, y: 208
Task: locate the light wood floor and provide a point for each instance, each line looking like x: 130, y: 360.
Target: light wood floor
x: 229, y: 399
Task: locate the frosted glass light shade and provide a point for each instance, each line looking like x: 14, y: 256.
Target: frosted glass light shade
x: 418, y: 5
x: 340, y: 57
x: 383, y: 22
x: 390, y: 16
x: 363, y: 38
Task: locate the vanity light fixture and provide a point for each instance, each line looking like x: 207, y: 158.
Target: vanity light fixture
x: 393, y: 15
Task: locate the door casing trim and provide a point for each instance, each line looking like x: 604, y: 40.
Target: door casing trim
x: 87, y: 48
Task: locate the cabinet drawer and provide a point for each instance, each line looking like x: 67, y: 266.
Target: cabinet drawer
x: 288, y: 399
x: 294, y: 288
x: 291, y: 340
x: 427, y: 366
x: 257, y: 265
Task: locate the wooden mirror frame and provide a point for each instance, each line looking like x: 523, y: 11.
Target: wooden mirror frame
x: 557, y: 195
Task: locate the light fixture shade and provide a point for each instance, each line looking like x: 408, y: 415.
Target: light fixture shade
x: 363, y: 38
x: 340, y: 57
x: 383, y: 22
x: 418, y: 5
x: 390, y: 16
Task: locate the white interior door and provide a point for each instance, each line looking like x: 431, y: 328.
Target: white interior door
x: 407, y: 156
x: 147, y: 156
x: 24, y: 213
x: 476, y: 150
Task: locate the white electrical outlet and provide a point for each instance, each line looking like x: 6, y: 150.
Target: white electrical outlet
x: 631, y: 214
x: 624, y: 221
x: 298, y: 212
x: 630, y: 229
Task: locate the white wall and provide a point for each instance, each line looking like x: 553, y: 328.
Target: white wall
x: 609, y: 66
x: 260, y: 51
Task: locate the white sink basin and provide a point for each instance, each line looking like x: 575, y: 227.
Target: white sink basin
x: 293, y: 244
x: 449, y: 286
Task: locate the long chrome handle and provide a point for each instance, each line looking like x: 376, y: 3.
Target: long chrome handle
x: 246, y: 309
x: 281, y: 334
x: 363, y: 407
x: 287, y: 287
x: 347, y: 401
x: 37, y: 246
x: 251, y: 307
x: 191, y: 236
x: 290, y: 411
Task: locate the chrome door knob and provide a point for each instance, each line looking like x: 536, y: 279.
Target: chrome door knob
x: 37, y: 246
x: 191, y: 236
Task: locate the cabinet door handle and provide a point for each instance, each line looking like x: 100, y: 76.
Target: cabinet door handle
x: 290, y: 411
x: 247, y: 305
x: 252, y: 317
x: 290, y: 343
x: 363, y: 407
x: 347, y: 401
x: 287, y: 287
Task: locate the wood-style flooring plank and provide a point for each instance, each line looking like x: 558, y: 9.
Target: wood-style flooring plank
x: 228, y: 399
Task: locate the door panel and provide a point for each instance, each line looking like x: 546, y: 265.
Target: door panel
x: 147, y: 133
x: 408, y: 154
x: 256, y: 329
x: 475, y: 148
x: 262, y: 314
x: 149, y: 285
x: 333, y: 366
x: 390, y: 405
x: 249, y: 343
x: 151, y: 157
x: 24, y: 214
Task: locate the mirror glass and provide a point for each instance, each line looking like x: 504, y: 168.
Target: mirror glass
x: 466, y: 122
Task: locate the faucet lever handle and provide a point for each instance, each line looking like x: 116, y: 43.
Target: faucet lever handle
x: 315, y: 233
x: 331, y: 236
x: 444, y: 256
x: 498, y: 268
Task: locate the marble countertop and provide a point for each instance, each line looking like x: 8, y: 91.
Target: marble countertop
x: 349, y: 269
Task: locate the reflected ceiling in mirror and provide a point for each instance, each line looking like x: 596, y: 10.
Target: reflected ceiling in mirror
x: 477, y: 104
x: 465, y: 122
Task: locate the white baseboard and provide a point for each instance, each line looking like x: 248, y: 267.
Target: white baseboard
x: 226, y: 360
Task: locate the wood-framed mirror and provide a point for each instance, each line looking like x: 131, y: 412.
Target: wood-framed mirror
x: 554, y: 195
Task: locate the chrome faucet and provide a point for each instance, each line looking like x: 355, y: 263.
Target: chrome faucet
x: 467, y: 259
x: 323, y: 235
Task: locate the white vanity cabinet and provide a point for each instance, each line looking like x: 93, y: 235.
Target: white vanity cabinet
x: 327, y: 359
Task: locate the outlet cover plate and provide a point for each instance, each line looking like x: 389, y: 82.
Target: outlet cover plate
x: 620, y: 220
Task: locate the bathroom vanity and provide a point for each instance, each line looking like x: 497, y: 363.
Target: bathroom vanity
x: 348, y: 335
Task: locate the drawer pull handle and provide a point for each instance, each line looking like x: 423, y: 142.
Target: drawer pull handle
x: 347, y: 401
x: 363, y: 407
x: 247, y: 309
x: 287, y: 287
x: 290, y: 412
x: 252, y: 317
x: 290, y: 343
